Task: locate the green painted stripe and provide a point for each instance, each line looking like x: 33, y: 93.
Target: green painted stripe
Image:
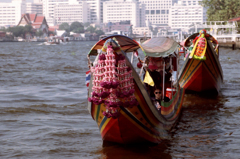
x: 98, y: 110
x: 188, y: 69
x: 210, y: 58
x: 103, y: 121
x: 167, y: 104
x: 190, y: 74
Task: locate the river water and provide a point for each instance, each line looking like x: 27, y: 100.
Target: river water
x: 43, y: 110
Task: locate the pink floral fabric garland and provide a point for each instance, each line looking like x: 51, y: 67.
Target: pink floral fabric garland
x: 112, y: 85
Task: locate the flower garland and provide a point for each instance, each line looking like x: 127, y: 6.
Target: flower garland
x: 112, y: 85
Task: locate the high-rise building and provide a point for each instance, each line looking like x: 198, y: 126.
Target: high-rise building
x: 186, y: 13
x: 157, y: 11
x: 36, y: 7
x: 10, y: 13
x: 48, y: 9
x: 96, y: 10
x: 124, y: 10
x: 71, y: 13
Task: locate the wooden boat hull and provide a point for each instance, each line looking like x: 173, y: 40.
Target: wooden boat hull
x: 202, y: 75
x: 142, y: 123
x: 138, y: 124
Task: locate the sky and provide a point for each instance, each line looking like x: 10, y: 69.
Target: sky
x: 4, y: 1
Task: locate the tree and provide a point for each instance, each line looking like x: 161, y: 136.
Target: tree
x: 99, y: 32
x: 51, y: 32
x: 221, y: 10
x: 3, y: 29
x: 64, y: 26
x: 17, y: 30
x: 91, y: 29
x: 39, y: 33
x: 87, y: 24
x: 76, y: 25
x: 79, y: 30
x: 28, y: 28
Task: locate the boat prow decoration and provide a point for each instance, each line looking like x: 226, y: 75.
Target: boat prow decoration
x: 201, y: 71
x: 118, y: 99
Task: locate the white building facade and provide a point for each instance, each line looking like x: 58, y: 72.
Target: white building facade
x: 48, y: 9
x: 96, y: 10
x: 71, y: 13
x: 123, y: 10
x: 34, y: 8
x: 157, y: 11
x: 146, y: 31
x: 186, y: 13
x: 10, y: 13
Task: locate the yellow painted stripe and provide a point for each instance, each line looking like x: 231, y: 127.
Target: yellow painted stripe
x: 190, y: 73
x: 105, y: 124
x: 149, y: 116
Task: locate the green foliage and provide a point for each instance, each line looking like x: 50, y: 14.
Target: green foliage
x: 87, y: 24
x: 221, y: 10
x: 99, y: 32
x: 39, y: 33
x: 3, y: 29
x: 79, y: 30
x: 28, y: 29
x: 91, y: 29
x: 17, y: 30
x: 20, y: 30
x: 64, y: 26
x: 50, y: 32
x: 76, y: 25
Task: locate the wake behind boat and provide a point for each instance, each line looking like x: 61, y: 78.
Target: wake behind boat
x: 201, y: 71
x: 55, y: 41
x: 119, y: 101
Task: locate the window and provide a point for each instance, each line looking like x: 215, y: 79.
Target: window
x: 152, y: 11
x: 157, y: 11
x: 147, y: 11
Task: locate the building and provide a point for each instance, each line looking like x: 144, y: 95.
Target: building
x: 96, y: 10
x: 2, y: 35
x: 124, y: 26
x: 157, y: 11
x: 38, y: 22
x: 124, y: 10
x: 145, y: 31
x: 78, y: 11
x: 48, y: 9
x: 35, y: 7
x: 186, y: 13
x: 10, y: 13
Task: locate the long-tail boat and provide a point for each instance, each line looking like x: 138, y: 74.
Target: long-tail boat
x: 201, y: 71
x: 117, y: 98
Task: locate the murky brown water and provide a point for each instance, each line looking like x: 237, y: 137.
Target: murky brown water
x: 43, y: 112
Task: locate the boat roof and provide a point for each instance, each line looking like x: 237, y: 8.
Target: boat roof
x: 155, y: 47
x: 127, y: 44
x: 159, y: 47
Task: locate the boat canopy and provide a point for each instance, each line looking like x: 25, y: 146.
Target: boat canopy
x: 127, y: 44
x: 155, y: 47
x: 159, y: 47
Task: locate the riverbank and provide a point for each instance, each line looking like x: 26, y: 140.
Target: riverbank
x: 233, y: 45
